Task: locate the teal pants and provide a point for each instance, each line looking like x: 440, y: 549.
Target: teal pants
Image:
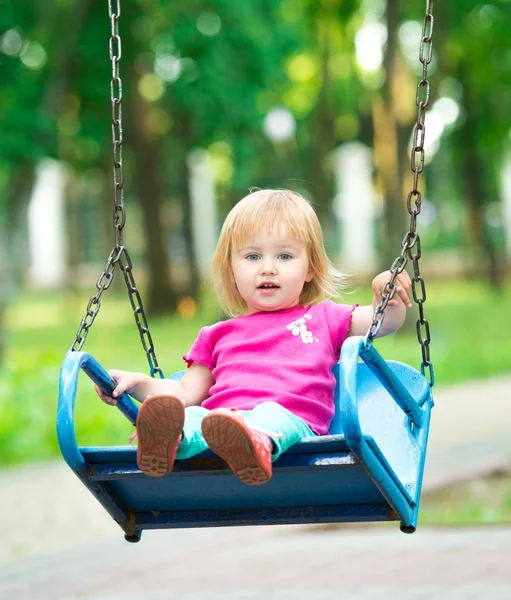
x: 269, y: 416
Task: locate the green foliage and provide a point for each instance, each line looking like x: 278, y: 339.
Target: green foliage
x: 20, y: 90
x: 230, y: 75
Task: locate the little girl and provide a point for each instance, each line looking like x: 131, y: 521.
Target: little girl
x: 261, y: 380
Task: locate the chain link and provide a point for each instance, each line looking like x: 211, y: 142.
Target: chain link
x: 413, y: 204
x: 103, y: 283
x: 119, y: 254
x: 139, y: 313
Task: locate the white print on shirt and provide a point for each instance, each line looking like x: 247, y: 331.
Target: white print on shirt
x: 299, y: 327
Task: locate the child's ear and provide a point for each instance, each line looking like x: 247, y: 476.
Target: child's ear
x: 309, y: 276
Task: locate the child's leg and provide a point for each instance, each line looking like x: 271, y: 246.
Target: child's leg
x: 271, y: 417
x: 193, y: 441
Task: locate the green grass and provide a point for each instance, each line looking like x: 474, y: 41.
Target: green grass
x: 469, y: 329
x: 485, y: 501
x: 40, y: 329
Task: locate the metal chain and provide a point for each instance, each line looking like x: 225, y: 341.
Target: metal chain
x: 117, y: 139
x: 138, y: 312
x: 119, y: 254
x: 412, y: 239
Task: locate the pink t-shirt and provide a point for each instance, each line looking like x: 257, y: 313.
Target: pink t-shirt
x: 284, y: 356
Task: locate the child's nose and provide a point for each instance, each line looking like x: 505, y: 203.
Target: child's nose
x: 268, y: 266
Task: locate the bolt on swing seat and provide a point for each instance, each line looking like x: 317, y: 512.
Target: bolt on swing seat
x: 369, y: 468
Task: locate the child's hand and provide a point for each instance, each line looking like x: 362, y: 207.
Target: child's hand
x: 125, y: 382
x: 403, y: 287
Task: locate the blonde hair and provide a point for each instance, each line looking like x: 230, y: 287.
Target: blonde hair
x: 260, y: 211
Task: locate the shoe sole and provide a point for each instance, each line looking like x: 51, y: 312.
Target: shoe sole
x: 228, y: 438
x: 159, y: 426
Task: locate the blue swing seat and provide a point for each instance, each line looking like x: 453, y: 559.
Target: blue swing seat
x: 369, y: 469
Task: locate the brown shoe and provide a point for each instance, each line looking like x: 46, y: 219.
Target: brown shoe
x: 160, y: 423
x: 247, y: 452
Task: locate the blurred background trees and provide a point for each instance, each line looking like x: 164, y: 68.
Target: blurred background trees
x: 270, y: 89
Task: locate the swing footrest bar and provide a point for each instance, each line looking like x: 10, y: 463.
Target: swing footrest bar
x: 214, y: 467
x: 275, y: 516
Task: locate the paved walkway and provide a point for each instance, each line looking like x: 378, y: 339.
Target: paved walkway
x: 470, y: 431
x: 274, y: 563
x: 58, y: 543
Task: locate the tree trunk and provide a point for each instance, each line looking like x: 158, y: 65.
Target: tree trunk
x: 148, y: 186
x: 387, y: 147
x: 18, y: 197
x: 182, y: 128
x: 323, y: 133
x: 485, y: 257
x: 51, y: 106
x: 13, y: 244
x: 64, y: 69
x: 73, y: 230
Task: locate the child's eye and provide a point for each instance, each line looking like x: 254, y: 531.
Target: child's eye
x: 252, y: 256
x: 285, y: 256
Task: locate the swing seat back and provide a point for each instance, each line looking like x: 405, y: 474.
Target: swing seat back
x: 368, y: 469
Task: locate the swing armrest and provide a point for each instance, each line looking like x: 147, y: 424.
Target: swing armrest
x: 379, y: 367
x: 355, y: 347
x: 387, y: 444
x: 106, y: 384
x: 68, y: 383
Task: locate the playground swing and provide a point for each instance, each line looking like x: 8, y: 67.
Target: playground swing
x: 368, y: 469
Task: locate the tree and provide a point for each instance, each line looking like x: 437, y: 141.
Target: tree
x: 486, y: 81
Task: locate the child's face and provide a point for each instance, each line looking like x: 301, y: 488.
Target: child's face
x: 270, y: 270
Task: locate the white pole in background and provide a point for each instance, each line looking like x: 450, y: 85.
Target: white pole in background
x: 47, y: 261
x: 354, y: 207
x: 204, y: 217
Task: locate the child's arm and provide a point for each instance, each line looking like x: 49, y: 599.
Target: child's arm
x: 193, y: 388
x: 197, y: 382
x: 394, y: 313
